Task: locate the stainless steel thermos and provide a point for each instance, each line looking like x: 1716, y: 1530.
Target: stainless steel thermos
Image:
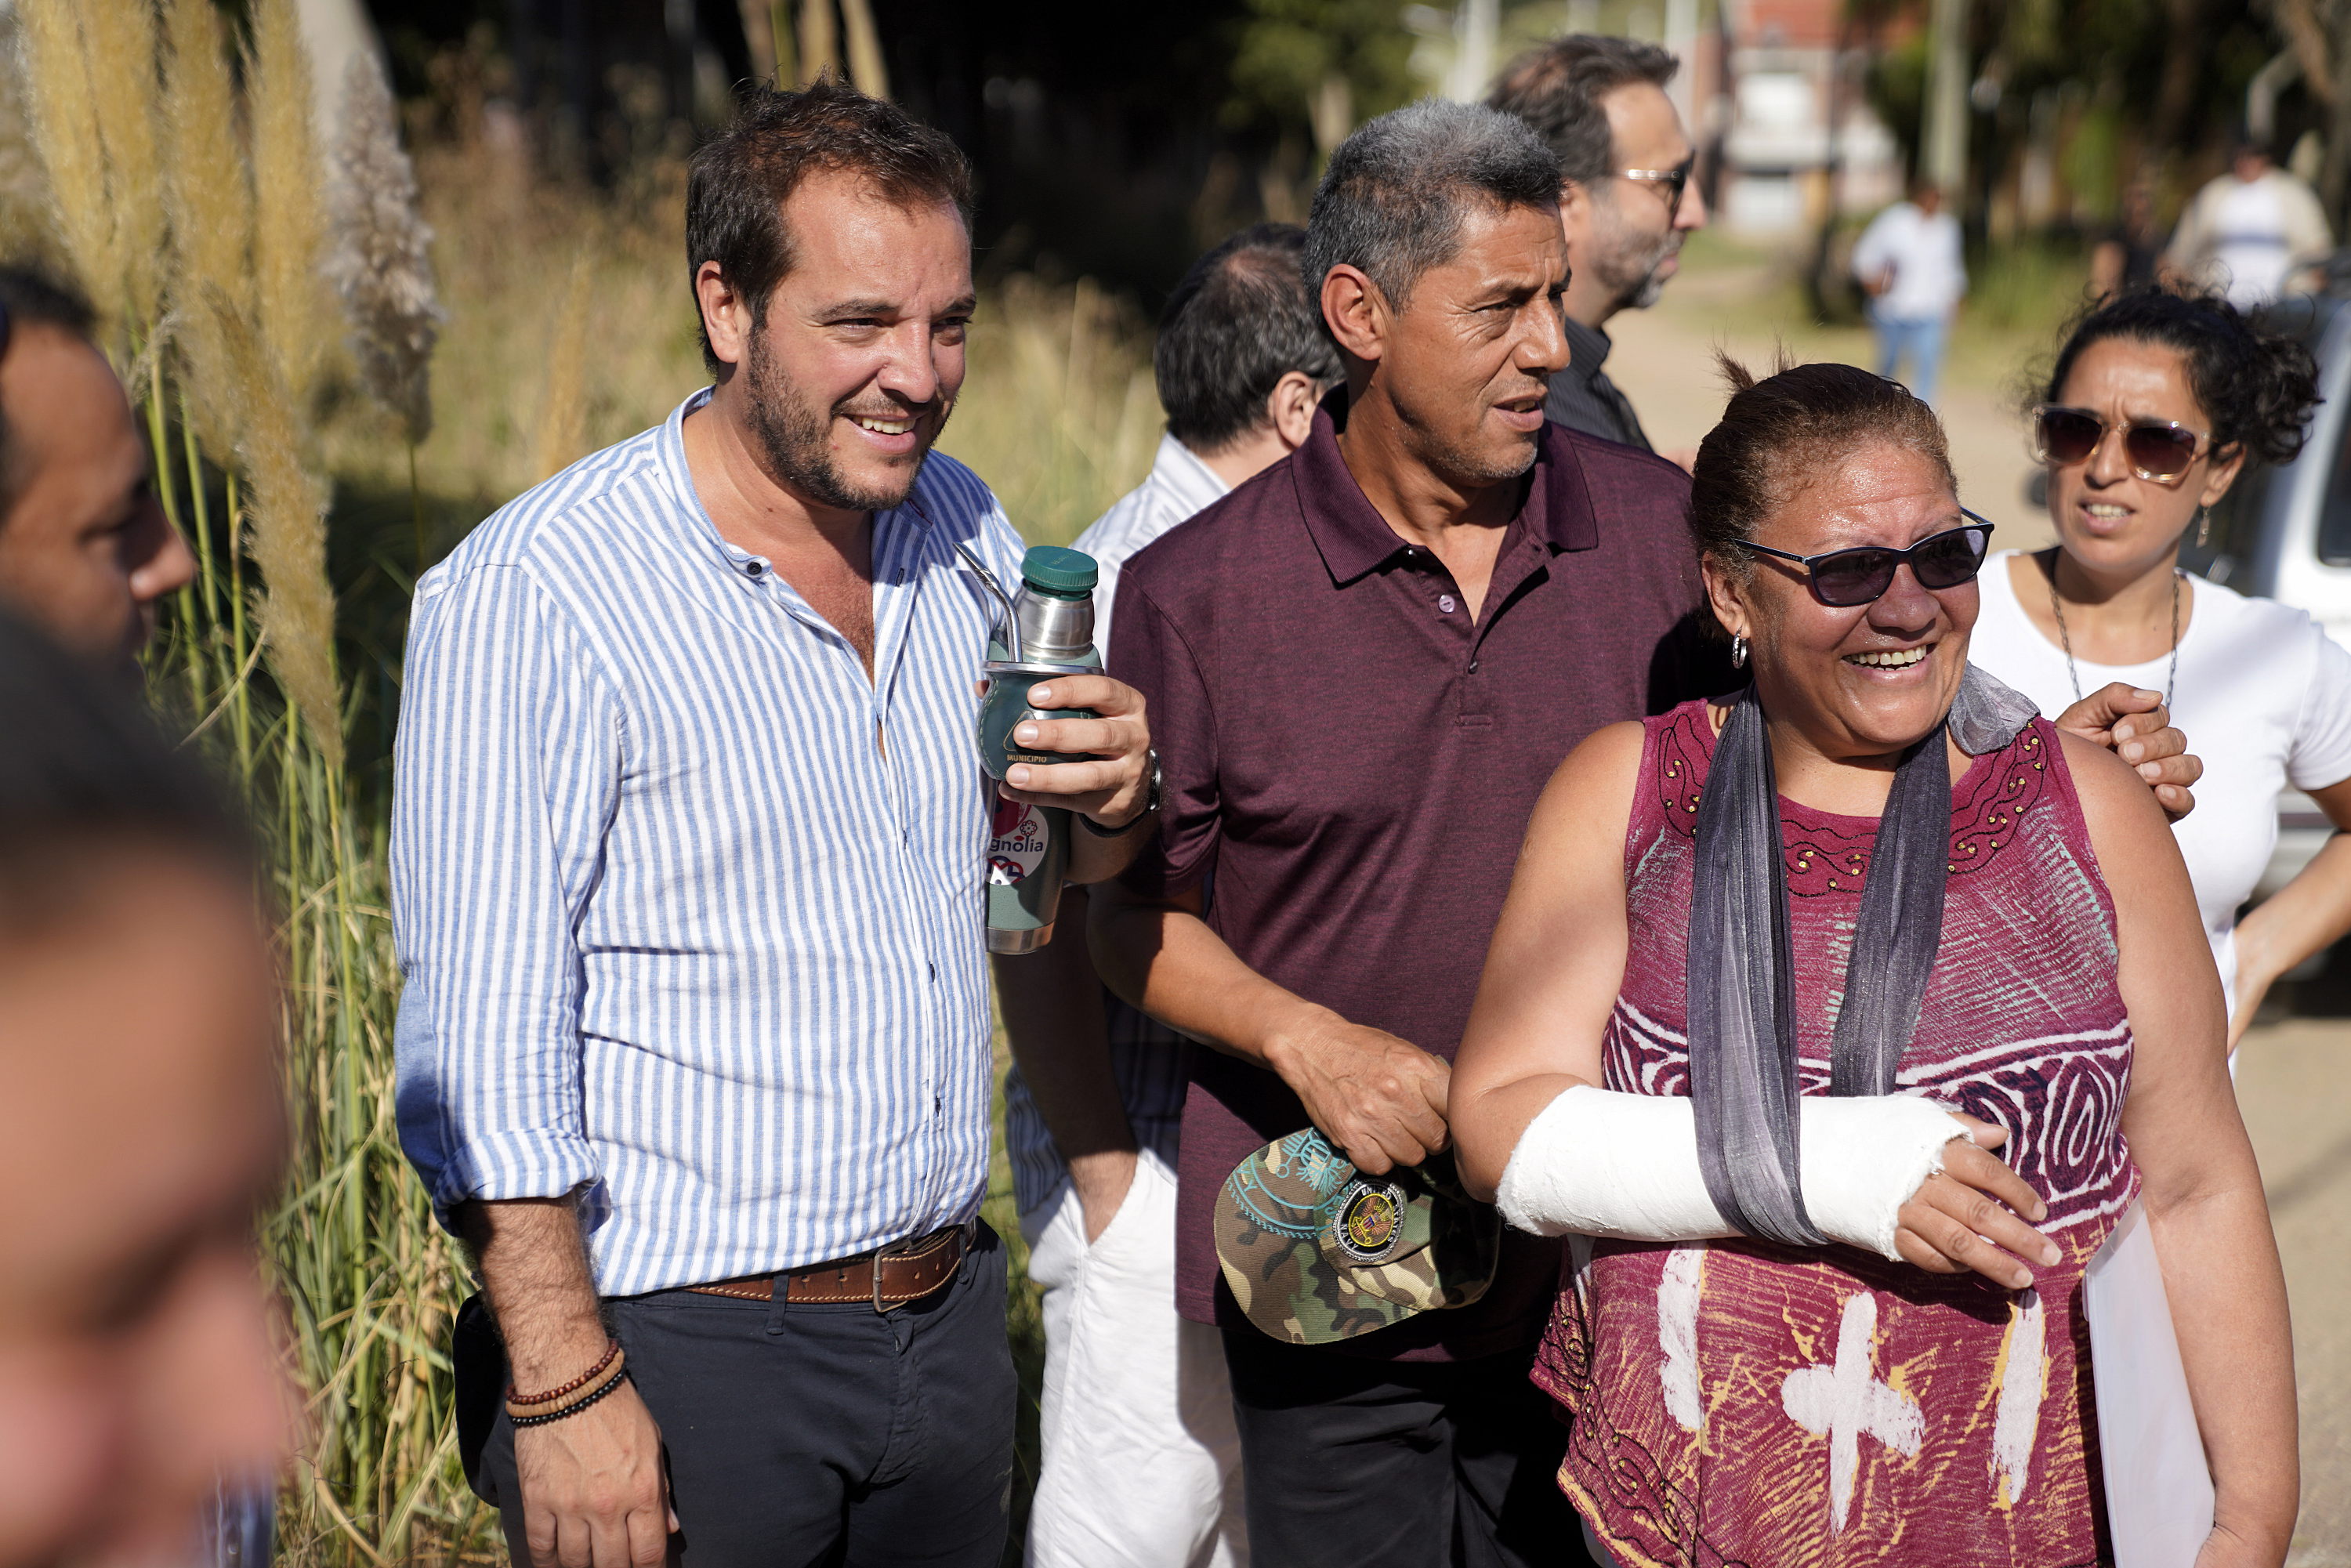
x: 1050, y: 632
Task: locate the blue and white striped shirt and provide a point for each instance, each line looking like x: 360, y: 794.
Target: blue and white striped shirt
x: 689, y: 911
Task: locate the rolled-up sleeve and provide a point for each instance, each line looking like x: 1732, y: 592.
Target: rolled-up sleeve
x: 508, y: 768
x: 1149, y: 653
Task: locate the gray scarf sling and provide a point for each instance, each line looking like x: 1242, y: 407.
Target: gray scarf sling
x: 1742, y: 973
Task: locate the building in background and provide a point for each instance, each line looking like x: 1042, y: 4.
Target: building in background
x: 1799, y: 137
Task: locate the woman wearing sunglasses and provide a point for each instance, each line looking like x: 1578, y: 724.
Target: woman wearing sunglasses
x: 2153, y: 405
x: 1778, y: 974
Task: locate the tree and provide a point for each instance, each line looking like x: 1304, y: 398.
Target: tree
x: 2319, y: 32
x: 1319, y: 66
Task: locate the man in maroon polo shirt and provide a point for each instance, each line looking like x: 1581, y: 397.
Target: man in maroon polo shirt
x: 1362, y: 666
x: 1364, y: 662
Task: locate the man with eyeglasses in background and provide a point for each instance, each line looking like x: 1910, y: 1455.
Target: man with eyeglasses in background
x: 1624, y: 202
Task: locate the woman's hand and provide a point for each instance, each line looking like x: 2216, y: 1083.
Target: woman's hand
x: 1965, y: 1216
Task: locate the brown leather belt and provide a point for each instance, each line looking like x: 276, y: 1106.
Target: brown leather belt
x: 888, y: 1276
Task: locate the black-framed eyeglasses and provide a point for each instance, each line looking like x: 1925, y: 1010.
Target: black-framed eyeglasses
x: 1667, y: 182
x: 1844, y: 578
x: 2158, y: 449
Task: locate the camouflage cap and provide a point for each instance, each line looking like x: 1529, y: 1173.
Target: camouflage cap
x: 1315, y: 1251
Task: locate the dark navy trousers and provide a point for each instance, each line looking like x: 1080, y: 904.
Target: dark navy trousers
x: 1353, y: 1463
x: 808, y: 1435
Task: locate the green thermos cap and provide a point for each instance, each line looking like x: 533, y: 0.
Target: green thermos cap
x: 1063, y: 572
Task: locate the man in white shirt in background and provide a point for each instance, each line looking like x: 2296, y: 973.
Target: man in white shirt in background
x: 2253, y: 232
x: 1241, y: 364
x: 1141, y: 1462
x: 1909, y: 265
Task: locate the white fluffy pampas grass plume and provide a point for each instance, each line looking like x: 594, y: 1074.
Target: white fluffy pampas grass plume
x: 286, y: 516
x: 57, y: 72
x: 289, y: 229
x: 382, y: 264
x: 120, y: 35
x: 209, y: 196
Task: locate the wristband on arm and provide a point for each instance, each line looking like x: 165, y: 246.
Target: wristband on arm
x: 572, y: 1397
x: 1600, y: 1163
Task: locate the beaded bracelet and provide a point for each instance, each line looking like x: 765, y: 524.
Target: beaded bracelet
x: 574, y: 1408
x: 579, y: 1400
x: 611, y: 1349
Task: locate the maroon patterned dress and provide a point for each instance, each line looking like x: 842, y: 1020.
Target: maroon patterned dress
x: 1742, y: 1403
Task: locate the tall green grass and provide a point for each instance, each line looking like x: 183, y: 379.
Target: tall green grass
x: 310, y: 513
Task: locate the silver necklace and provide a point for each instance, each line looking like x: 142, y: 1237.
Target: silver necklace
x: 2171, y: 674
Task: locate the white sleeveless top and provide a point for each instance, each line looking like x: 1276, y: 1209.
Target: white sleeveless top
x: 2263, y: 696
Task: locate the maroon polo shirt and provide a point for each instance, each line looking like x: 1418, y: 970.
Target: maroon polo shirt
x: 1357, y: 760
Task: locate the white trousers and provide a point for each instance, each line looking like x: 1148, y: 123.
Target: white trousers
x: 1142, y: 1462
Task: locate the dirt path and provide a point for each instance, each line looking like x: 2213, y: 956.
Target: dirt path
x: 2289, y: 1082
x: 2292, y: 1074
x: 1663, y: 361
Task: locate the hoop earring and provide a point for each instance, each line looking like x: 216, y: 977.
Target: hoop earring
x: 1739, y: 652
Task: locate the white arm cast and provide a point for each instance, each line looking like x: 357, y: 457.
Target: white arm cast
x: 1598, y: 1163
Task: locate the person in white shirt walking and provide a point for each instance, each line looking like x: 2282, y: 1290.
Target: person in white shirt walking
x: 1141, y: 1462
x: 1909, y: 265
x: 2155, y: 402
x: 2251, y: 233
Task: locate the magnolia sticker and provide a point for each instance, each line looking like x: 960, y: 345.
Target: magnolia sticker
x: 1016, y: 844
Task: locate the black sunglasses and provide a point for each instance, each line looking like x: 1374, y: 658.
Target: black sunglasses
x: 2159, y: 449
x: 1844, y: 578
x: 1668, y: 182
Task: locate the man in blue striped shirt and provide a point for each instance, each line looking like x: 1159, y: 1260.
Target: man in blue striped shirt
x: 688, y: 855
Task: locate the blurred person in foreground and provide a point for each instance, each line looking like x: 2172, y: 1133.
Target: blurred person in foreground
x: 85, y: 551
x: 141, y: 1132
x: 687, y: 847
x: 1777, y: 972
x: 1626, y: 202
x: 1141, y: 1464
x: 2255, y: 233
x: 1909, y: 263
x: 2157, y: 401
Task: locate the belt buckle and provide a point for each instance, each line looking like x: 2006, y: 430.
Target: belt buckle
x: 894, y: 1248
x: 912, y: 1244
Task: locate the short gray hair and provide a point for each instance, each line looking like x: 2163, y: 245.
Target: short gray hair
x: 1393, y: 201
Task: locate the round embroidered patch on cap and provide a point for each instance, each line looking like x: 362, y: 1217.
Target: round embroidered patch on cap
x: 1370, y: 1220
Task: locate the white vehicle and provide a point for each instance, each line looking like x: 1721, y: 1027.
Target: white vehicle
x: 2286, y: 533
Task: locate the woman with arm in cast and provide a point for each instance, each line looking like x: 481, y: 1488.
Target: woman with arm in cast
x: 2153, y: 405
x: 1776, y: 973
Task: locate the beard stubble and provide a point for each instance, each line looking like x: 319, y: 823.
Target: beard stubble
x: 792, y: 431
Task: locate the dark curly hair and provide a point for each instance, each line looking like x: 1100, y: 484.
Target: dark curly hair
x: 2256, y: 388
x: 1781, y: 432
